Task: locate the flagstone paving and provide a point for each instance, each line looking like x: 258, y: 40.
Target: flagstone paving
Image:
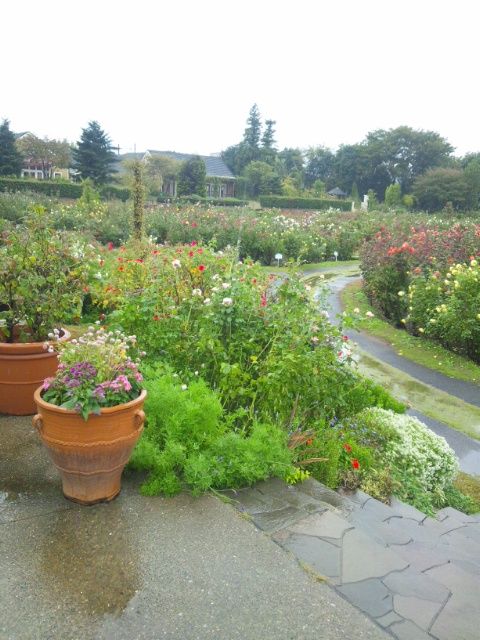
x: 416, y: 576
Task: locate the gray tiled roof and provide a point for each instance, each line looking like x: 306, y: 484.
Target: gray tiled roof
x: 216, y: 168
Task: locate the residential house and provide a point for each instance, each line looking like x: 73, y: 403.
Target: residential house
x: 40, y: 169
x: 220, y: 182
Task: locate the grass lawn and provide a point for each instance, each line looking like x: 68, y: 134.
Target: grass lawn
x: 470, y: 486
x: 419, y: 350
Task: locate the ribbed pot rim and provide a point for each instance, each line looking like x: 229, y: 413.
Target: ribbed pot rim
x: 104, y: 411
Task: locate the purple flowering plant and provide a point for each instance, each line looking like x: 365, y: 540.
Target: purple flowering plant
x: 99, y: 369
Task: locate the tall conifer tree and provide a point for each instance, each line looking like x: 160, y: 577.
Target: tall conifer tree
x: 10, y: 158
x: 94, y: 156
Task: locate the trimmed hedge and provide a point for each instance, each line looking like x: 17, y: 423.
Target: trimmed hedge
x: 48, y: 187
x: 285, y: 202
x: 60, y: 188
x: 216, y: 202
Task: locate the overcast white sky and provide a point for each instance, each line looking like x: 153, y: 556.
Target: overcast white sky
x: 182, y: 75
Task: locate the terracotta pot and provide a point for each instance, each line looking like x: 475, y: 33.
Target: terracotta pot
x: 24, y: 366
x: 90, y: 454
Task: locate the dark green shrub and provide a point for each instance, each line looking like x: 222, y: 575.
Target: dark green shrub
x: 110, y: 192
x: 284, y: 202
x: 59, y: 188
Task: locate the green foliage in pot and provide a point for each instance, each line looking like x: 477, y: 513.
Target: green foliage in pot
x: 41, y: 279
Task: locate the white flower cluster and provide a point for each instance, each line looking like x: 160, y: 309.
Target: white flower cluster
x: 419, y: 449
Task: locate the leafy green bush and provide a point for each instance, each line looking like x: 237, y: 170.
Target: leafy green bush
x: 283, y: 202
x: 14, y: 206
x: 189, y: 443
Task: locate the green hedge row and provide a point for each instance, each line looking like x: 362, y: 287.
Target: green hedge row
x: 59, y: 188
x: 48, y: 187
x: 285, y: 202
x: 217, y: 202
x: 110, y: 192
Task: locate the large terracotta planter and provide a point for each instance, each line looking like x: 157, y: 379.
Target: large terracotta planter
x: 24, y: 366
x: 90, y: 455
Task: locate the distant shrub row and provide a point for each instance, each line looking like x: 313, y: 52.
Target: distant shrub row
x: 285, y: 202
x: 59, y: 188
x: 218, y: 202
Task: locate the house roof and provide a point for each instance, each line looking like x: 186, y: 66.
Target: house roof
x: 336, y: 192
x: 215, y: 167
x: 22, y: 134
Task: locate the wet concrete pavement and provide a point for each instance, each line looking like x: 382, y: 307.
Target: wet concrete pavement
x: 146, y: 568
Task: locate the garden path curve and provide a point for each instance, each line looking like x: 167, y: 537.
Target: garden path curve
x: 466, y: 448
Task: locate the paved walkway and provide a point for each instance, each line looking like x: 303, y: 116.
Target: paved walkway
x: 147, y: 568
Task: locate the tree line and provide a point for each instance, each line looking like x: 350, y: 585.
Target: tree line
x: 396, y: 166
x: 400, y: 165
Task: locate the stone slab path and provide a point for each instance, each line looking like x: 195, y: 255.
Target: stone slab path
x: 416, y: 577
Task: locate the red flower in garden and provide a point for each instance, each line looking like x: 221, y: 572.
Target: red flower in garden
x: 263, y: 303
x: 190, y: 254
x: 155, y: 317
x: 120, y: 268
x: 110, y: 246
x: 309, y: 442
x: 254, y: 281
x: 199, y: 250
x: 193, y: 243
x: 345, y: 338
x: 201, y: 267
x: 347, y: 447
x: 194, y: 225
x: 355, y: 464
x: 139, y: 260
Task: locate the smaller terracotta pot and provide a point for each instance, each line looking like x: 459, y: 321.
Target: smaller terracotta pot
x: 23, y: 366
x: 90, y: 454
